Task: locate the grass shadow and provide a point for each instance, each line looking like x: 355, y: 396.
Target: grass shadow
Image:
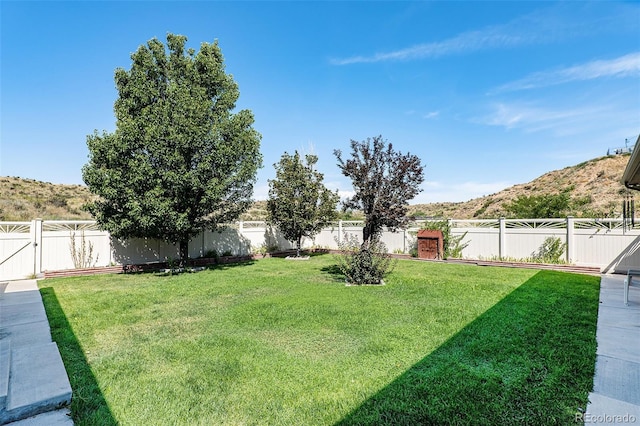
x: 529, y: 359
x: 316, y: 253
x: 334, y: 272
x: 88, y: 405
x: 230, y: 265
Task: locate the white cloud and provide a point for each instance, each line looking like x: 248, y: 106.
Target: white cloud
x: 426, y: 116
x: 624, y: 66
x: 469, y: 41
x: 345, y: 194
x: 337, y: 183
x: 261, y: 192
x: 534, y: 118
x: 562, y: 120
x: 538, y: 27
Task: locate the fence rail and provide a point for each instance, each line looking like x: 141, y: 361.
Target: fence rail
x: 604, y: 243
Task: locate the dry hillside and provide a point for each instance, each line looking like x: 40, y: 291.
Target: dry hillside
x: 593, y: 185
x: 27, y: 199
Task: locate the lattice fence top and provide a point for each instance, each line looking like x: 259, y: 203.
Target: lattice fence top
x: 254, y: 224
x: 578, y: 223
x: 536, y: 223
x: 351, y: 223
x: 71, y: 226
x: 477, y: 223
x: 15, y: 227
x: 606, y: 224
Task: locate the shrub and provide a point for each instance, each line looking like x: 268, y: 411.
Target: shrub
x: 551, y: 251
x: 212, y: 254
x: 265, y: 248
x: 368, y: 263
x: 455, y: 246
x: 484, y: 207
x: 539, y: 206
x: 82, y: 256
x: 173, y: 265
x: 58, y: 201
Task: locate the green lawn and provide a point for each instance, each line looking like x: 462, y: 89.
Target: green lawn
x: 278, y: 342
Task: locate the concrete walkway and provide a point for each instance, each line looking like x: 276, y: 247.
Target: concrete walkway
x: 616, y: 385
x: 33, y: 381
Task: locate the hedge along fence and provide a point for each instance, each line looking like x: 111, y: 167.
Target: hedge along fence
x: 28, y: 249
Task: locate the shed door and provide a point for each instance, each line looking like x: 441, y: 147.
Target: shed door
x: 428, y: 248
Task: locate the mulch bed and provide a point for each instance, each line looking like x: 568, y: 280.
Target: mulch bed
x: 161, y: 266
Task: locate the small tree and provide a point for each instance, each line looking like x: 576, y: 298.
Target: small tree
x: 179, y: 160
x: 299, y: 204
x: 384, y: 181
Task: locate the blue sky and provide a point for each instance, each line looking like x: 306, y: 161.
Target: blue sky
x: 487, y: 94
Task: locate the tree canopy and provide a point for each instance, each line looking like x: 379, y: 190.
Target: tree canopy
x: 299, y: 204
x: 384, y: 180
x: 179, y: 159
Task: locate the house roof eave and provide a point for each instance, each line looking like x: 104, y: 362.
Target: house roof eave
x: 631, y: 175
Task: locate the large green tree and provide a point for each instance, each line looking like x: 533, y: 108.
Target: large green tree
x: 179, y: 160
x: 299, y: 204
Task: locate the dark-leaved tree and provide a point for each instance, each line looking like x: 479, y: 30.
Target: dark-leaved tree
x: 179, y: 160
x: 299, y: 204
x: 384, y: 181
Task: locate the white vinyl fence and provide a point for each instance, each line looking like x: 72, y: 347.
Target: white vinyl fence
x: 30, y: 248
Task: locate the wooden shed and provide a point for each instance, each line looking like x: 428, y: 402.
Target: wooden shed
x: 430, y: 244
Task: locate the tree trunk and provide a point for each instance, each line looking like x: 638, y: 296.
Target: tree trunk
x: 367, y: 235
x: 298, y: 243
x: 184, y: 252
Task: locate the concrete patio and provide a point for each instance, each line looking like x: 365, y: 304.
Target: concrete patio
x: 615, y: 398
x: 34, y: 386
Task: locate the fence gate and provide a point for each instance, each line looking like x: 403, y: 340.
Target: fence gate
x: 19, y: 252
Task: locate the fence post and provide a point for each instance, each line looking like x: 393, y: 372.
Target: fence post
x: 36, y: 240
x: 404, y: 240
x: 502, y: 241
x: 340, y: 231
x: 202, y: 251
x: 570, y: 245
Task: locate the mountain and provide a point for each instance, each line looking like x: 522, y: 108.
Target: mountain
x: 593, y: 186
x: 27, y: 199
